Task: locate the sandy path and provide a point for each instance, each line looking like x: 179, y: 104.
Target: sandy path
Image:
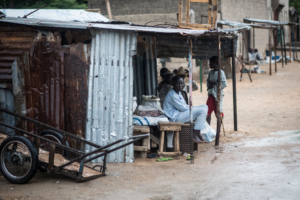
x: 250, y: 163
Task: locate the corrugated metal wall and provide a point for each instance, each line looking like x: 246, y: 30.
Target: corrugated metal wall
x: 145, y: 70
x: 109, y: 109
x: 7, y: 102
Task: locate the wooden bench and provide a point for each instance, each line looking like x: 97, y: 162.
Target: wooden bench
x: 169, y: 126
x: 139, y: 130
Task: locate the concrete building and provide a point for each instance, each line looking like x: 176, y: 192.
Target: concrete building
x: 161, y: 11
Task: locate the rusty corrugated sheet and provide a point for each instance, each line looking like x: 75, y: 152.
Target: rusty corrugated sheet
x: 76, y: 89
x: 13, y: 41
x: 44, y: 81
x: 109, y: 107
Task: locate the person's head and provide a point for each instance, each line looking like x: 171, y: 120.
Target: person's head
x: 168, y: 79
x: 163, y: 71
x: 181, y: 72
x: 213, y: 62
x: 178, y: 83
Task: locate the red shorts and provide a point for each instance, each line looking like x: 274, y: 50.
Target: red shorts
x: 212, y: 106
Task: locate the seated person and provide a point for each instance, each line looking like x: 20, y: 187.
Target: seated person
x: 184, y: 73
x: 177, y: 110
x: 166, y: 87
x: 162, y: 74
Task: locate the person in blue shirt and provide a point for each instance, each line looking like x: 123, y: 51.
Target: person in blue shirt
x: 177, y: 110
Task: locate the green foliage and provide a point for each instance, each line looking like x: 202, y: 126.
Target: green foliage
x: 51, y: 4
x: 295, y: 4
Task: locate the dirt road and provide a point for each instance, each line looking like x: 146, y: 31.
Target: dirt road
x: 259, y: 161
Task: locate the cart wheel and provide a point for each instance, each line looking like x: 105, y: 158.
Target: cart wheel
x: 18, y: 159
x: 55, y: 137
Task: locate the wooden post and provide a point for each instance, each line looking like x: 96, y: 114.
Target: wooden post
x: 180, y: 11
x: 270, y: 53
x: 215, y: 13
x: 191, y: 99
x: 219, y: 94
x: 187, y: 11
x: 209, y: 11
x: 281, y: 42
x: 108, y: 9
x: 290, y: 41
x: 284, y: 44
x: 161, y: 141
x: 234, y: 87
x: 274, y: 39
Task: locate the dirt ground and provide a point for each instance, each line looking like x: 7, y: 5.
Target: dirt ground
x: 259, y: 161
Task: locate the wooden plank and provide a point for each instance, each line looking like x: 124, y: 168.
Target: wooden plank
x: 142, y: 129
x: 146, y: 143
x: 169, y: 123
x: 209, y: 11
x: 51, y: 157
x: 215, y: 13
x: 140, y: 148
x: 108, y: 9
x: 194, y: 26
x: 170, y: 128
x: 161, y: 141
x: 154, y: 139
x: 169, y: 153
x: 176, y: 142
x: 199, y: 1
x: 180, y: 11
x: 187, y: 11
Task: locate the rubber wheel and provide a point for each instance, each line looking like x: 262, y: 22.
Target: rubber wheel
x: 18, y: 159
x: 55, y: 137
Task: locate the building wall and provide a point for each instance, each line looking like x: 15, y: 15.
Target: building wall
x: 141, y: 12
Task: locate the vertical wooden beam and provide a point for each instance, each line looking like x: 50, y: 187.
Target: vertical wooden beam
x: 108, y: 9
x: 270, y: 54
x: 191, y: 100
x: 234, y: 86
x: 290, y: 41
x: 187, y: 11
x: 274, y: 46
x: 161, y: 141
x: 51, y: 157
x: 215, y: 13
x: 219, y: 94
x: 209, y: 11
x: 180, y: 11
x: 281, y: 44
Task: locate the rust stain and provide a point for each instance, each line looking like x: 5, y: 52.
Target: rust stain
x: 76, y: 89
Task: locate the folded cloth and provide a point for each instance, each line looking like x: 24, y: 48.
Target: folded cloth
x: 149, y: 121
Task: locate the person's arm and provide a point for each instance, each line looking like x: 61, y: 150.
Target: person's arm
x: 223, y: 80
x: 179, y: 105
x: 210, y: 84
x: 195, y: 86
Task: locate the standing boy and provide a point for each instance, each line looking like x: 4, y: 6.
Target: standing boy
x: 212, y: 88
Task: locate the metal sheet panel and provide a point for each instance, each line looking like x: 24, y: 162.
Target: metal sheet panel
x: 7, y: 102
x: 76, y: 89
x: 44, y: 82
x: 109, y: 108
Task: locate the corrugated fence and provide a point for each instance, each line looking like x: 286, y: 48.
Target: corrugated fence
x: 110, y: 92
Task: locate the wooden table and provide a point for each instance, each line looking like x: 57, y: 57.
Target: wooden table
x: 139, y: 130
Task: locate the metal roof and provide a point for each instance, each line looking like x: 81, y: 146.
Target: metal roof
x: 57, y: 14
x: 234, y: 24
x: 265, y: 21
x: 127, y: 27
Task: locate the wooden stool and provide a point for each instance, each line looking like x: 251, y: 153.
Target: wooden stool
x: 169, y: 126
x: 139, y: 130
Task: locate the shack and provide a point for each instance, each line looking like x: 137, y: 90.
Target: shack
x: 81, y: 76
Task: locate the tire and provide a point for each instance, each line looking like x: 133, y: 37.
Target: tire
x: 18, y: 159
x: 56, y: 137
